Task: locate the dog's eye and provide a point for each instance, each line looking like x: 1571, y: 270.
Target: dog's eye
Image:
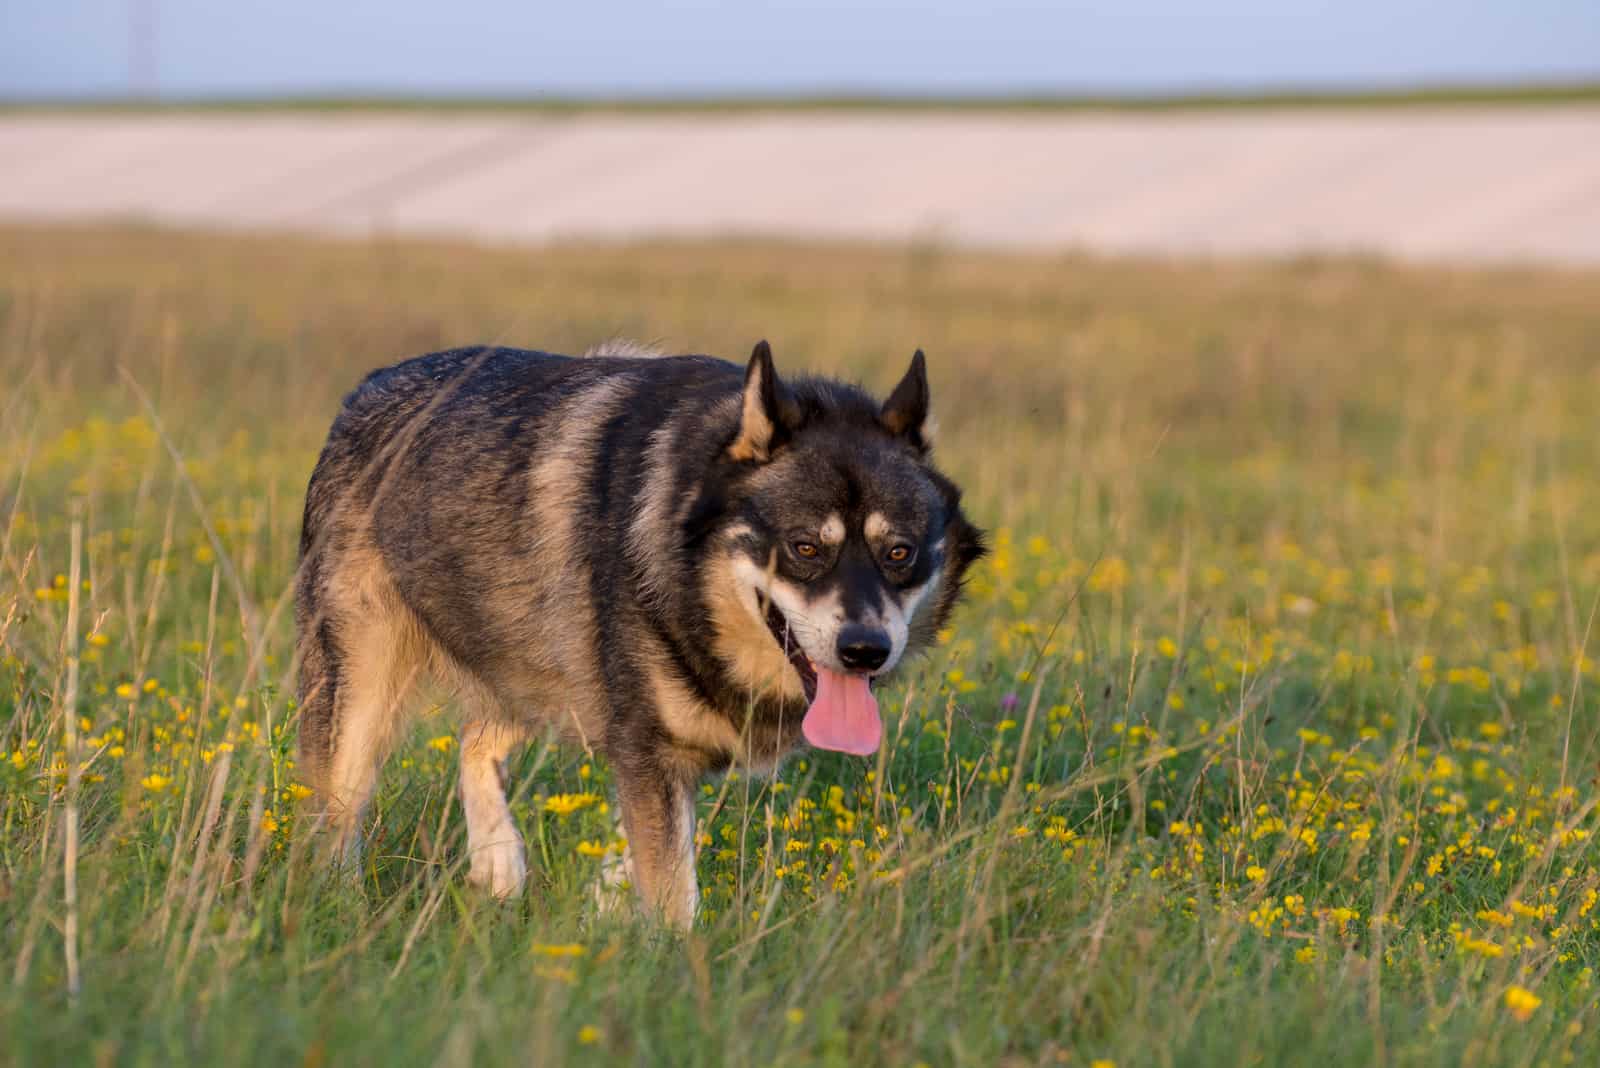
x: 805, y: 549
x: 900, y: 554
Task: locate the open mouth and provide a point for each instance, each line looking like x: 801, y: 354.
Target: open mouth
x: 842, y: 714
x: 778, y: 624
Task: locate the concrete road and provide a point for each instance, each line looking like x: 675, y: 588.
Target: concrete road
x: 1481, y: 185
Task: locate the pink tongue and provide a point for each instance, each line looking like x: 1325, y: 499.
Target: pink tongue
x: 844, y: 715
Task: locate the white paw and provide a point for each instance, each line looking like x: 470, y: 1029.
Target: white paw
x: 612, y: 889
x: 499, y: 865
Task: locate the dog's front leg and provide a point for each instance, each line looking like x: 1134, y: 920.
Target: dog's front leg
x: 497, y: 862
x: 658, y: 819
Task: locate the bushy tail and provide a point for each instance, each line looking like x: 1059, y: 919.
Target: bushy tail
x: 315, y: 647
x: 318, y: 696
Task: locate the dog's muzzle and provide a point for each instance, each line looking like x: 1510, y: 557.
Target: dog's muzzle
x: 783, y: 634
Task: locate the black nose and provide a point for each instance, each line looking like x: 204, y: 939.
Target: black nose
x: 863, y: 648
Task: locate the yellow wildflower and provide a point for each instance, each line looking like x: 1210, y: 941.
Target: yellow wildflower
x: 1522, y: 1001
x: 565, y: 949
x: 567, y: 804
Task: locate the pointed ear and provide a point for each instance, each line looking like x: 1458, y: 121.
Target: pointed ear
x: 768, y: 413
x: 906, y: 410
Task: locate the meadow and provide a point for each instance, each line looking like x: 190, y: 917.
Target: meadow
x: 1267, y: 734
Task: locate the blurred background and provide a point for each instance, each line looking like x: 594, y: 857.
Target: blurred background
x: 1422, y: 129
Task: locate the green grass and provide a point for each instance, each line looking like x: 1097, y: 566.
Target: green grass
x: 1441, y: 95
x: 1267, y: 735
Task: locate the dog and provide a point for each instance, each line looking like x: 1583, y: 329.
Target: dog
x: 676, y: 563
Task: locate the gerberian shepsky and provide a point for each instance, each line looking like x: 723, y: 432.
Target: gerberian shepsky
x: 190, y: 48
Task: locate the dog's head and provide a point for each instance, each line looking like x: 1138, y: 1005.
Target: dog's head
x: 844, y: 541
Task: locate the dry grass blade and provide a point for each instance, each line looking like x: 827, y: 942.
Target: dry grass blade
x: 69, y: 720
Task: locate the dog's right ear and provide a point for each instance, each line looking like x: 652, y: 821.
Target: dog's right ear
x: 768, y: 413
x: 905, y: 413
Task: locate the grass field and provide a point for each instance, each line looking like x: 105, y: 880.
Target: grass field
x: 1267, y: 735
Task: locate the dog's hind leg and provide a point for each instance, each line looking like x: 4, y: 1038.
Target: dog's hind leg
x: 357, y: 670
x: 379, y: 670
x: 494, y: 844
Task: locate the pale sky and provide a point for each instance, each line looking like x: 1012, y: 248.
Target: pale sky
x: 55, y: 48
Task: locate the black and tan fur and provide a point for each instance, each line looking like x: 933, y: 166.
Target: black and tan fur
x: 606, y: 546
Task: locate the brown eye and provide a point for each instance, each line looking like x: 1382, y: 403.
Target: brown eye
x: 899, y: 554
x: 805, y: 549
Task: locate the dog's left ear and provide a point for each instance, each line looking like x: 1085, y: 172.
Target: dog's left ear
x: 768, y: 413
x: 906, y: 410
